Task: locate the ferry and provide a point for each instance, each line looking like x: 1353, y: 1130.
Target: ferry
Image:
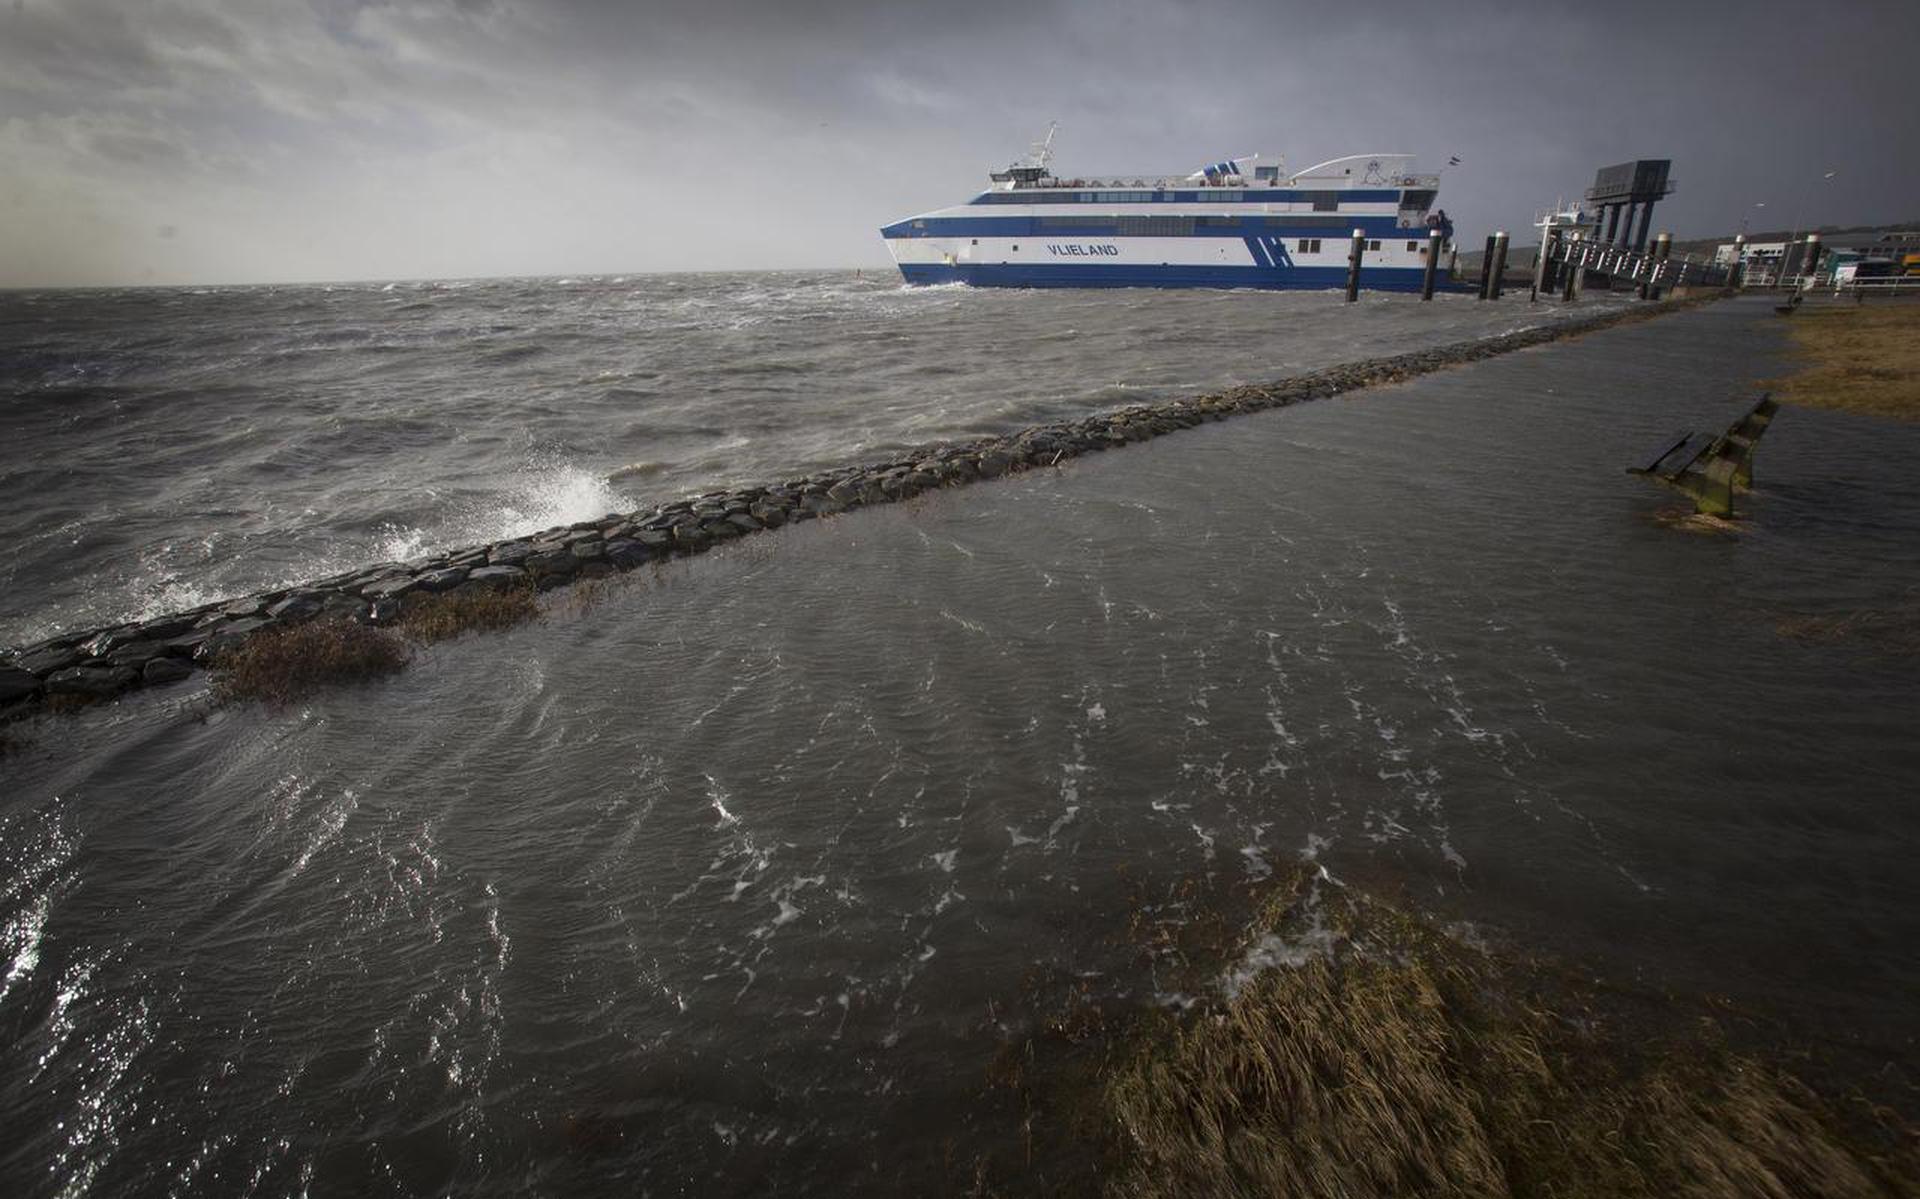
x: 1233, y: 223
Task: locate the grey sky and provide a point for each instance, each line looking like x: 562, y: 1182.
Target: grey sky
x: 195, y: 140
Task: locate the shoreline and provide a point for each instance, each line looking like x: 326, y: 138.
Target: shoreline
x: 96, y: 664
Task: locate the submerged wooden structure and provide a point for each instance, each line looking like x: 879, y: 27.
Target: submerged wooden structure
x: 1719, y: 467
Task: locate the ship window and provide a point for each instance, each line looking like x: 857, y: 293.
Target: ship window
x: 1374, y: 244
x: 1155, y: 226
x: 1413, y: 245
x: 1323, y: 201
x: 976, y: 241
x: 1309, y: 245
x: 1219, y: 222
x: 919, y: 224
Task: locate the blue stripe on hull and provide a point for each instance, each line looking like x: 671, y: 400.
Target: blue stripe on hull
x: 998, y: 274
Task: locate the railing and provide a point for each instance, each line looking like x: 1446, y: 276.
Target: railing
x: 1880, y: 285
x: 1620, y: 261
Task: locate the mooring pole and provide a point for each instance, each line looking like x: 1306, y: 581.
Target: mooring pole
x: 1353, y: 264
x: 1662, y: 246
x: 1540, y: 259
x: 1499, y: 264
x: 1433, y: 264
x: 1737, y: 273
x: 1486, y: 266
x: 1571, y: 284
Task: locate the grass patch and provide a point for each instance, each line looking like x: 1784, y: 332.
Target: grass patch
x: 1861, y: 359
x: 1893, y: 629
x: 1382, y: 1056
x: 282, y: 665
x: 444, y: 617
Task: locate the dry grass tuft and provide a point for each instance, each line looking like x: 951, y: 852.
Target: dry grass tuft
x: 444, y: 617
x: 1396, y: 1060
x: 1863, y: 359
x: 1893, y: 629
x: 282, y: 665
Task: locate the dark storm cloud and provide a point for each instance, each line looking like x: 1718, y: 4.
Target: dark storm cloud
x: 339, y: 138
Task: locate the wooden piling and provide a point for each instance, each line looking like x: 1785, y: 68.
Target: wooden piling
x: 1499, y: 264
x: 1433, y: 264
x: 1353, y: 264
x: 1486, y: 266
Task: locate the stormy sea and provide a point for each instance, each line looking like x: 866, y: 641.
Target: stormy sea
x: 754, y: 874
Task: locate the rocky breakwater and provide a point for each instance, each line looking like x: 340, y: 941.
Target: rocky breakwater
x: 96, y: 664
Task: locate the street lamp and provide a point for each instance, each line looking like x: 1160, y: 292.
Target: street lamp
x: 1801, y: 210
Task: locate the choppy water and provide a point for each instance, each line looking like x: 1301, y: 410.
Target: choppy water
x: 170, y: 447
x: 735, y: 882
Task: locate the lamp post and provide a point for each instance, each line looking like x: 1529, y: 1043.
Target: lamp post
x: 1799, y: 211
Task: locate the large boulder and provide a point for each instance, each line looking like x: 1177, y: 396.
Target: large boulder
x: 497, y: 578
x: 16, y: 684
x: 44, y: 662
x: 91, y: 682
x: 161, y: 671
x: 445, y: 579
x: 553, y: 563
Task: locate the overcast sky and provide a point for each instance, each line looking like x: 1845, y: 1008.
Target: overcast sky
x: 258, y: 140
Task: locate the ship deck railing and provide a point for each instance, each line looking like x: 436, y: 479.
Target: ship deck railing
x: 1238, y: 182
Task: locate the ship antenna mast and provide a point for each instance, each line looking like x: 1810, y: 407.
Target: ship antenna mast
x: 1042, y: 152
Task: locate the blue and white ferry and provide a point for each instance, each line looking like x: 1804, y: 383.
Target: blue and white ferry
x: 1234, y: 223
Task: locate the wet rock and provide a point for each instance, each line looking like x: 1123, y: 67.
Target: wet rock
x: 91, y: 682
x: 589, y: 550
x: 226, y: 638
x: 165, y: 627
x: 554, y: 563
x: 137, y: 653
x: 184, y: 645
x: 625, y: 554
x: 47, y: 661
x: 690, y: 538
x: 382, y: 612
x: 102, y: 644
x: 743, y: 522
x: 296, y: 608
x: 161, y: 671
x: 660, y: 541
x: 770, y: 515
x: 720, y: 530
x: 250, y: 606
x: 389, y: 588
x: 497, y: 578
x: 17, y: 684
x: 597, y: 569
x: 513, y: 553
x: 445, y: 579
